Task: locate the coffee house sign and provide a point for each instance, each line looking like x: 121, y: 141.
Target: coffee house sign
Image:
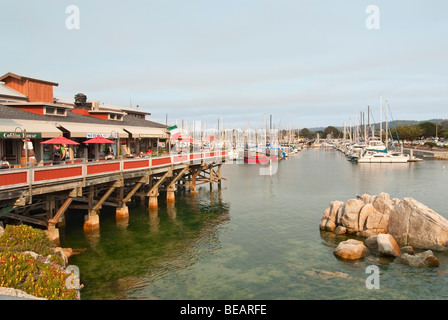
x: 15, y: 135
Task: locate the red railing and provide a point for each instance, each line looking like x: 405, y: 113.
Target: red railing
x: 38, y: 175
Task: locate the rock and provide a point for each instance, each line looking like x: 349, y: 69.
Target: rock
x: 372, y: 243
x: 334, y: 210
x: 330, y: 225
x: 407, y: 249
x: 384, y: 244
x: 414, y: 224
x: 419, y: 260
x: 16, y: 293
x: 367, y: 198
x: 350, y: 219
x: 376, y: 223
x: 383, y: 203
x: 365, y: 211
x: 340, y: 230
x: 407, y: 220
x: 327, y: 274
x: 351, y: 249
x: 330, y: 216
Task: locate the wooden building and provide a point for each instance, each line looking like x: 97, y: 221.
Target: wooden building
x: 28, y: 106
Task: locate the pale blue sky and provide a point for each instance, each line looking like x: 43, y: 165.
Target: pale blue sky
x: 307, y: 62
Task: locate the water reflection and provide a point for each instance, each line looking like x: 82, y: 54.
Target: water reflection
x: 257, y: 237
x: 130, y: 256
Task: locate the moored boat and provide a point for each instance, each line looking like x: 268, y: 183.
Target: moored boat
x: 381, y: 157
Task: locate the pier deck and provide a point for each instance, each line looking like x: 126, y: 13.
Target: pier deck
x: 41, y: 195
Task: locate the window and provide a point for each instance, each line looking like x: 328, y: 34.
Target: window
x: 55, y: 111
x: 117, y: 117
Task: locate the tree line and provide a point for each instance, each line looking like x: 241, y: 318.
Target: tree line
x: 410, y: 132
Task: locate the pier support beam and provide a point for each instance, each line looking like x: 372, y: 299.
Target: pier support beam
x: 154, y: 192
x: 92, y: 220
x: 122, y: 212
x: 171, y: 188
x: 152, y: 199
x: 170, y: 193
x: 194, y: 174
x: 58, y: 218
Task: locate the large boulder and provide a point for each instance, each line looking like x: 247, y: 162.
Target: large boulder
x: 414, y: 224
x: 351, y: 249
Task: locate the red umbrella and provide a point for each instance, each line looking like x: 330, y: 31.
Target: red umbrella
x: 99, y: 139
x: 60, y: 140
x: 211, y: 138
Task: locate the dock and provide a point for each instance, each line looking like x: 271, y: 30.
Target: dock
x: 427, y: 153
x: 41, y: 195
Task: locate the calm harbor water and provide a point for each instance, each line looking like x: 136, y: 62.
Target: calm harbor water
x: 257, y: 237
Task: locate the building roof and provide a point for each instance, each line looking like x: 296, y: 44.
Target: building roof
x: 19, y: 77
x: 7, y: 112
x: 9, y: 93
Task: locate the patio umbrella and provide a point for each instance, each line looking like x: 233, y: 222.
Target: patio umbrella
x: 99, y: 139
x: 60, y: 140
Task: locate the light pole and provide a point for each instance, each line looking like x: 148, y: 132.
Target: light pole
x: 115, y: 135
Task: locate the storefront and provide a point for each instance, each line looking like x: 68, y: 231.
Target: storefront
x: 14, y: 133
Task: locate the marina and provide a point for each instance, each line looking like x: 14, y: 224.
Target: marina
x: 156, y: 151
x: 257, y: 237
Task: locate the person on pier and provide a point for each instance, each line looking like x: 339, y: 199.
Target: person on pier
x: 4, y: 164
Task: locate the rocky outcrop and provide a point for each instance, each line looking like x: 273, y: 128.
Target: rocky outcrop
x: 408, y: 221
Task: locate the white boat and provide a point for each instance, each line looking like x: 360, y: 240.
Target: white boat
x: 382, y: 157
x: 375, y: 144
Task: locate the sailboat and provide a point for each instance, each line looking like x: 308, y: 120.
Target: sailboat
x: 382, y: 155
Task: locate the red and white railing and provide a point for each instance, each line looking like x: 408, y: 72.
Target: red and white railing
x: 78, y: 169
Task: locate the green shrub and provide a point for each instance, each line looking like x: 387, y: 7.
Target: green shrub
x: 430, y: 144
x: 22, y: 271
x: 26, y: 238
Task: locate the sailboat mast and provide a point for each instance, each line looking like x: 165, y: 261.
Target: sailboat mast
x: 387, y: 133
x: 381, y: 117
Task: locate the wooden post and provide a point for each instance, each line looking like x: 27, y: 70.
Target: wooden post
x: 122, y: 211
x: 170, y: 193
x: 154, y: 192
x: 152, y: 201
x: 172, y: 186
x: 92, y: 220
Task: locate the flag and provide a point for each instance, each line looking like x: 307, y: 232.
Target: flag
x: 174, y: 132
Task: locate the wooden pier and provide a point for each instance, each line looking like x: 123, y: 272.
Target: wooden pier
x: 42, y: 195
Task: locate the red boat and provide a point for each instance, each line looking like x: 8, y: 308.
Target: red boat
x: 259, y: 158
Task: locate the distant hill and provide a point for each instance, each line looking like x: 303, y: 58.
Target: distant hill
x: 391, y: 124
